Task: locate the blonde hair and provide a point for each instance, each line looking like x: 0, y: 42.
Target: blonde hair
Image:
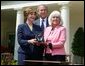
x: 54, y: 13
x: 29, y: 11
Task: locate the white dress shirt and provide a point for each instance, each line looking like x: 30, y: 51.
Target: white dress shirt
x: 45, y: 20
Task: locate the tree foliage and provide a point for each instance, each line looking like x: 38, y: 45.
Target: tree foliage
x: 78, y: 43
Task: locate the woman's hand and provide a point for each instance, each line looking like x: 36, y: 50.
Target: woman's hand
x: 46, y: 44
x: 43, y: 43
x: 33, y: 41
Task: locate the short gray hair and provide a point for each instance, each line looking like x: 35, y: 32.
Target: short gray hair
x: 55, y: 13
x: 42, y: 5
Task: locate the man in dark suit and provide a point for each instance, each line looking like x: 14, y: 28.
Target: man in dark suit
x: 43, y: 23
x: 43, y: 19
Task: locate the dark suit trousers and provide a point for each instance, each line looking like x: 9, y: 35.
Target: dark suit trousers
x: 21, y: 57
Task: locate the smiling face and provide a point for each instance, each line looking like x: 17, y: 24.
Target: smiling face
x: 31, y: 17
x: 30, y: 14
x: 55, y: 21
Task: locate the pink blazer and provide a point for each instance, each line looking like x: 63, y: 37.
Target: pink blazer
x: 58, y: 39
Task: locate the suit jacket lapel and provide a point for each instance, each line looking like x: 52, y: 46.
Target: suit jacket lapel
x: 38, y: 22
x: 47, y: 33
x: 47, y: 24
x: 27, y: 27
x: 56, y: 34
x: 34, y: 29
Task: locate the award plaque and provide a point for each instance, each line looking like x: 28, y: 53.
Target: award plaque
x: 39, y: 37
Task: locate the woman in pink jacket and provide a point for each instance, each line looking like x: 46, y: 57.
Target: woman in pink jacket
x: 55, y: 37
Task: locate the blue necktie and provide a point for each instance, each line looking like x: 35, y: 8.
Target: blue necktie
x: 42, y: 25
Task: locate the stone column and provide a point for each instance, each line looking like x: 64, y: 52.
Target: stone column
x: 19, y: 20
x: 65, y: 18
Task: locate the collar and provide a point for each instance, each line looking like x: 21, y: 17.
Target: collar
x: 28, y: 23
x: 44, y: 19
